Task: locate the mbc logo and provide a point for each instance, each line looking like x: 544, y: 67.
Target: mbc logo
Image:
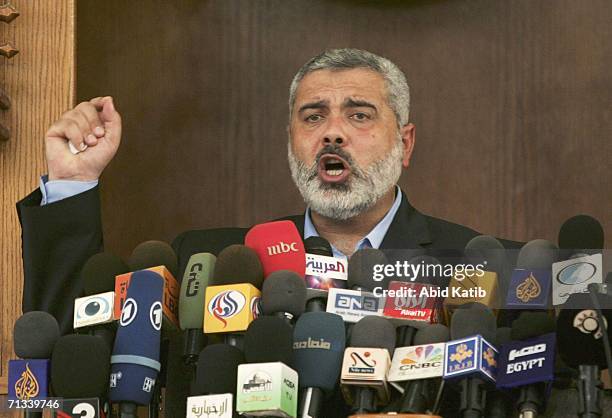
x: 282, y: 248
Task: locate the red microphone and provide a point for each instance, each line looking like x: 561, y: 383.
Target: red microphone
x: 279, y: 247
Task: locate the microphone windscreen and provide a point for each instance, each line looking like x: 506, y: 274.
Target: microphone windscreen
x: 472, y: 320
x: 151, y: 254
x: 238, y: 264
x: 318, y: 246
x: 217, y: 369
x: 318, y: 349
x: 579, y: 336
x: 135, y: 358
x: 279, y: 246
x: 283, y: 291
x: 485, y: 248
x: 503, y: 335
x: 34, y: 335
x: 537, y: 254
x: 361, y: 268
x: 80, y: 366
x: 427, y: 275
x: 99, y: 272
x: 581, y: 232
x: 269, y: 339
x: 532, y: 324
x: 373, y: 332
x: 431, y: 334
x: 198, y: 272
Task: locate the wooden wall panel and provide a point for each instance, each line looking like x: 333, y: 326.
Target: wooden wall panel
x: 511, y: 100
x: 40, y: 82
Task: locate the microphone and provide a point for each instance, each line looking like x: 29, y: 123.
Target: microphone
x: 283, y: 295
x: 358, y: 302
x: 34, y: 335
x: 191, y: 303
x: 416, y: 365
x: 216, y: 379
x: 581, y: 341
x: 95, y: 311
x: 531, y: 280
x: 478, y: 286
x: 318, y: 347
x: 470, y: 357
x: 267, y: 385
x: 581, y: 232
x: 279, y: 247
x: 233, y: 296
x: 366, y: 362
x: 158, y: 257
x: 135, y: 359
x: 80, y: 369
x: 529, y: 363
x: 575, y: 275
x: 499, y: 402
x: 323, y: 271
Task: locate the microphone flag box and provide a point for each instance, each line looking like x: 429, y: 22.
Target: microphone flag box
x: 413, y: 302
x: 170, y: 296
x: 28, y: 379
x: 230, y: 308
x: 365, y: 367
x: 352, y: 305
x: 575, y: 275
x: 267, y: 389
x: 210, y: 406
x: 85, y: 407
x: 467, y: 356
x: 526, y: 362
x: 94, y: 309
x: 416, y: 362
x: 529, y: 289
x: 324, y: 273
x: 472, y: 288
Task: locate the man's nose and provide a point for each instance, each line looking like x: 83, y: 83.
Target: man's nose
x: 334, y: 133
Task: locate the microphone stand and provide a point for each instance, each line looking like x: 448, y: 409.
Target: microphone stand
x: 589, y: 391
x: 473, y: 397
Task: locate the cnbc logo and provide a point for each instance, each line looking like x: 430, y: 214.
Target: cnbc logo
x: 422, y: 357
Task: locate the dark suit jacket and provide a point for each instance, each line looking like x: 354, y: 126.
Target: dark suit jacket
x: 58, y: 238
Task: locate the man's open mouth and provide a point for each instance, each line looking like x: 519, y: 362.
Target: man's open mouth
x: 333, y: 168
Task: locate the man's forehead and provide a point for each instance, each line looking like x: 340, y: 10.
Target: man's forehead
x: 341, y: 84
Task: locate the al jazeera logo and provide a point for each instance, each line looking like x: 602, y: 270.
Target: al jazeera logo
x: 27, y: 386
x: 529, y: 289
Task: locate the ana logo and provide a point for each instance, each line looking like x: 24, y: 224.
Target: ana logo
x: 226, y: 305
x: 114, y: 377
x: 256, y: 307
x: 529, y: 289
x: 26, y: 386
x: 147, y: 384
x: 355, y: 302
x: 258, y: 382
x: 586, y: 322
x: 282, y: 248
x: 310, y: 343
x: 128, y: 312
x: 576, y: 273
x: 461, y: 353
x: 362, y: 364
x: 155, y: 315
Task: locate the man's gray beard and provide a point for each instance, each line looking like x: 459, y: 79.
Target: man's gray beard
x: 360, y: 192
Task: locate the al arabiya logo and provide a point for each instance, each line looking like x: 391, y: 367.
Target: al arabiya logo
x: 226, y: 304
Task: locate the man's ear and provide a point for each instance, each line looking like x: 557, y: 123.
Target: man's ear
x: 408, y: 133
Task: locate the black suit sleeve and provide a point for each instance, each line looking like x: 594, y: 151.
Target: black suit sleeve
x: 57, y: 239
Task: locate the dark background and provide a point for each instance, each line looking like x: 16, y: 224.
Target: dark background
x: 512, y: 101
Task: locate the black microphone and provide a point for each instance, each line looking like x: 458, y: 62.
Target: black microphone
x: 269, y: 339
x: 151, y: 254
x: 377, y: 334
x: 80, y: 370
x: 581, y: 232
x: 318, y: 347
x: 318, y: 246
x: 284, y: 295
x: 499, y: 402
x: 34, y: 335
x: 360, y: 268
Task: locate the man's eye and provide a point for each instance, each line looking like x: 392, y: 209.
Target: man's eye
x: 313, y: 118
x: 359, y: 116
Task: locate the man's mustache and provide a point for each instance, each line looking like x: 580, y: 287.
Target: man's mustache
x: 332, y: 149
